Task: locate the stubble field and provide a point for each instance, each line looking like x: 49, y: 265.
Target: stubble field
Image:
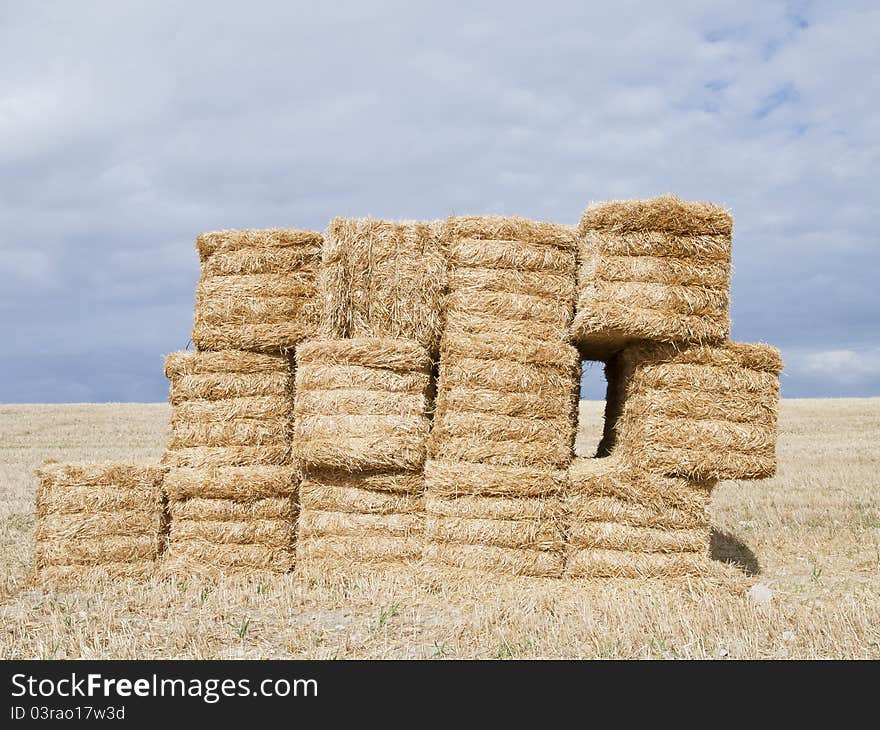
x: 810, y: 539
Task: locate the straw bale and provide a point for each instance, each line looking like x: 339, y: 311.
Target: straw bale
x: 386, y: 353
x: 495, y: 559
x: 187, y: 433
x: 97, y: 550
x: 240, y: 483
x: 206, y: 558
x: 539, y: 284
x: 598, y: 563
x: 445, y: 478
x: 393, y: 482
x: 93, y: 523
x: 510, y: 228
x: 272, y: 532
x: 296, y: 262
x: 383, y: 279
x: 228, y: 409
x: 532, y: 405
x: 613, y: 506
x: 103, y: 515
x: 337, y: 497
x: 652, y: 269
x: 319, y: 523
x: 534, y: 524
x: 214, y: 242
x: 616, y: 536
x: 233, y: 510
x: 316, y: 377
x: 700, y: 412
x: 254, y: 306
x: 226, y: 362
x: 342, y: 426
x: 197, y: 457
x: 338, y: 552
x: 88, y: 575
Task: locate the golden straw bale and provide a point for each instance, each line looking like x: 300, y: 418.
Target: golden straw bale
x: 510, y: 228
x: 652, y: 269
x: 226, y: 362
x: 97, y: 550
x: 394, y: 481
x: 338, y: 552
x: 211, y: 559
x: 89, y: 575
x: 229, y: 409
x: 199, y: 457
x: 340, y: 425
x: 214, y: 242
x: 383, y: 279
x: 318, y: 523
x: 231, y: 510
x: 108, y: 515
x: 255, y: 297
x: 445, y: 478
x: 239, y: 483
x: 598, y: 563
x: 494, y: 559
x: 701, y: 412
x: 613, y: 506
x: 274, y: 533
x: 330, y: 497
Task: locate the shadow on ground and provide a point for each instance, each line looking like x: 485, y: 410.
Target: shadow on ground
x: 728, y: 548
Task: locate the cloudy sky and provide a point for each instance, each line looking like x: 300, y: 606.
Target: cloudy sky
x: 128, y: 127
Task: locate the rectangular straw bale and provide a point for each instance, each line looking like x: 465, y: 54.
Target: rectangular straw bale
x: 203, y: 557
x: 614, y: 507
x: 515, y: 369
x: 446, y: 478
x: 229, y: 408
x: 702, y: 412
x: 654, y: 269
x: 258, y: 290
x: 528, y: 523
x: 237, y: 483
x: 106, y: 516
x: 510, y: 274
x: 342, y: 425
x: 383, y: 279
x: 494, y: 559
x: 366, y: 517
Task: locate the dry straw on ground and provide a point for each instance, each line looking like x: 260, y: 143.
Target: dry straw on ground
x: 383, y: 279
x: 627, y: 523
x: 654, y: 269
x: 232, y: 485
x: 373, y: 517
x: 701, y: 412
x: 354, y: 409
x: 258, y: 290
x: 108, y: 517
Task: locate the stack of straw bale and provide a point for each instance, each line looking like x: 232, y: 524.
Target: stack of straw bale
x: 364, y: 393
x: 98, y: 518
x: 232, y: 481
x: 624, y: 522
x: 703, y: 412
x: 654, y: 270
x: 505, y: 416
x: 258, y: 289
x: 383, y: 279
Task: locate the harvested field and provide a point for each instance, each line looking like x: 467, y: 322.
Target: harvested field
x: 811, y: 534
